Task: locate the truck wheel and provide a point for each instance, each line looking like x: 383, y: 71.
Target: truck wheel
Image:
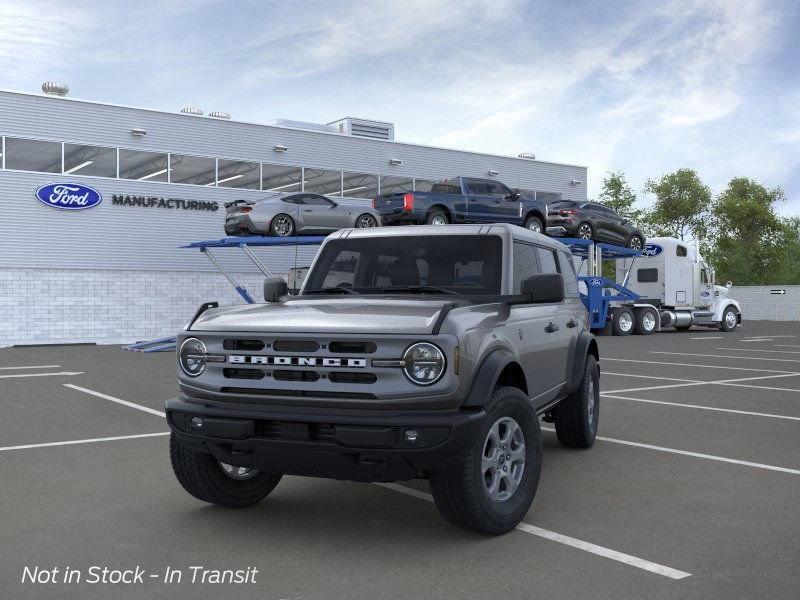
x: 282, y: 225
x: 622, y: 321
x: 729, y: 320
x: 209, y: 480
x: 577, y: 416
x: 437, y: 217
x: 645, y: 321
x: 534, y: 224
x: 491, y: 488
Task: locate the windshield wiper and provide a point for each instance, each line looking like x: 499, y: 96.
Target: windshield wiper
x: 417, y: 289
x: 331, y: 290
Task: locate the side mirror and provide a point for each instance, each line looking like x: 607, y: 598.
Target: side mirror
x: 334, y: 204
x: 545, y: 287
x: 274, y: 288
x: 514, y: 195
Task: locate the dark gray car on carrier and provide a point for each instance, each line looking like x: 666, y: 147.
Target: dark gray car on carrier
x: 410, y: 352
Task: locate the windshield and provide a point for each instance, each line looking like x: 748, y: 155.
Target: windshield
x: 445, y: 264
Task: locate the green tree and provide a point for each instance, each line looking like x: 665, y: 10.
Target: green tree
x: 751, y: 244
x: 681, y: 205
x: 618, y: 195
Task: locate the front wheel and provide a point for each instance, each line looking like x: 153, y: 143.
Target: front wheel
x: 577, y: 416
x: 534, y: 224
x: 729, y: 320
x: 282, y: 225
x: 491, y: 488
x: 366, y: 220
x: 209, y: 480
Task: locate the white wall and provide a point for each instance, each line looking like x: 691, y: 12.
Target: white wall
x: 759, y: 304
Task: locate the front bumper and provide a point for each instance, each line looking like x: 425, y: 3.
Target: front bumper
x: 357, y: 445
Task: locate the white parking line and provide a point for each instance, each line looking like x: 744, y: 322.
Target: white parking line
x: 727, y: 356
x: 787, y: 346
x: 152, y: 411
x: 20, y: 375
x: 759, y: 350
x: 650, y: 377
x: 701, y: 407
x: 699, y: 366
x: 708, y: 337
x: 627, y: 559
x: 733, y: 461
x: 86, y: 441
x: 31, y: 367
x: 674, y: 364
x: 756, y: 340
x: 713, y: 382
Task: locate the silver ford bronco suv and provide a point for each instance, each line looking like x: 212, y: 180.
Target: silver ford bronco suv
x: 410, y: 352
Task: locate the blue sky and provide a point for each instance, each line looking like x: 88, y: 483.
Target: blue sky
x: 641, y: 87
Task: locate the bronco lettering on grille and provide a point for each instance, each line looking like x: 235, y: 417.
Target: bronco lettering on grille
x: 298, y: 361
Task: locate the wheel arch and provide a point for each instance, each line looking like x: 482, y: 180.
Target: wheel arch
x: 585, y: 346
x: 535, y: 212
x: 500, y: 367
x: 445, y: 209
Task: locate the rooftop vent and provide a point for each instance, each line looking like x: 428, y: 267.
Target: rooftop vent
x: 303, y: 125
x: 219, y: 115
x: 527, y: 155
x: 376, y: 130
x: 192, y: 110
x: 53, y: 88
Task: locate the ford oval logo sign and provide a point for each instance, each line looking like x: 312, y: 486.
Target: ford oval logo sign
x: 652, y: 250
x: 68, y: 196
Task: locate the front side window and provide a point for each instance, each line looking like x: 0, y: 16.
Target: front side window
x: 525, y: 264
x: 446, y: 187
x: 33, y: 155
x: 143, y: 166
x: 570, y: 276
x: 478, y: 187
x: 315, y: 200
x: 681, y: 250
x: 547, y: 260
x: 90, y: 160
x: 461, y: 264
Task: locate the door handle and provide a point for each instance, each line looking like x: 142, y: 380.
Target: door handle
x: 572, y: 323
x: 307, y: 210
x: 551, y: 327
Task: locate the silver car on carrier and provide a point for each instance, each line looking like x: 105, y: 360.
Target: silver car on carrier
x: 298, y: 213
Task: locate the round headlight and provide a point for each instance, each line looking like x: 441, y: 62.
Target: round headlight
x: 424, y: 363
x: 192, y: 357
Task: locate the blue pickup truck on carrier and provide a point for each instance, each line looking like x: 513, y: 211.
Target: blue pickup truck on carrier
x: 464, y: 200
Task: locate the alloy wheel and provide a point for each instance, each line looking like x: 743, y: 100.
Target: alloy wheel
x: 503, y: 459
x: 366, y: 221
x: 438, y: 220
x: 282, y: 226
x: 635, y: 243
x: 585, y: 231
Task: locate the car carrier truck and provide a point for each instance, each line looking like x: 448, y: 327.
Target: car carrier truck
x: 675, y: 287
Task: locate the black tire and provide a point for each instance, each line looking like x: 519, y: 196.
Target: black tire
x: 365, y: 220
x: 646, y: 321
x: 534, y: 223
x: 276, y: 225
x: 635, y: 242
x: 727, y: 325
x: 585, y: 231
x: 460, y: 491
x: 201, y: 475
x: 622, y: 321
x: 577, y: 416
x: 437, y: 217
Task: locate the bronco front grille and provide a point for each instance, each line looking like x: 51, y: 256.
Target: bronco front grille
x: 296, y: 393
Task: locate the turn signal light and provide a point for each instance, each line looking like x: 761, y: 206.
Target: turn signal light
x: 571, y: 211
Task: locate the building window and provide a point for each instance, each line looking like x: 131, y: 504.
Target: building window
x: 396, y: 185
x: 98, y: 161
x: 320, y: 181
x: 279, y: 178
x: 359, y: 185
x: 196, y: 170
x: 33, y: 155
x: 143, y: 166
x: 238, y: 174
x: 423, y: 185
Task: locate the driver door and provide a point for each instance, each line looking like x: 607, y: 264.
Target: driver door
x: 321, y: 214
x: 705, y: 291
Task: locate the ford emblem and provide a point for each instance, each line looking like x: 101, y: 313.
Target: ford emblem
x: 652, y: 250
x: 68, y: 196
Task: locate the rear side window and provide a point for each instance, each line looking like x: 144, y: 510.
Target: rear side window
x: 647, y: 275
x: 446, y: 187
x: 547, y: 260
x: 570, y: 277
x: 525, y: 264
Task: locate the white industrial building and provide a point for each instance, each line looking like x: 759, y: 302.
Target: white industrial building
x: 114, y: 272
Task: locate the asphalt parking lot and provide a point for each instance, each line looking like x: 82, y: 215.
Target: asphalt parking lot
x: 692, y: 490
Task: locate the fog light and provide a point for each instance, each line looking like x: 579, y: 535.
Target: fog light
x: 411, y: 436
x: 196, y: 423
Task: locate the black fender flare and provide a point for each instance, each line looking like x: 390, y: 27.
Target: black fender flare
x: 585, y: 345
x: 486, y: 376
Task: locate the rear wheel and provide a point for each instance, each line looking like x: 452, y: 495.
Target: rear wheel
x: 645, y: 323
x: 622, y: 321
x: 729, y: 320
x: 585, y: 231
x: 635, y: 242
x: 437, y: 217
x: 366, y: 220
x: 491, y: 488
x: 534, y: 224
x: 577, y: 416
x: 282, y: 225
x: 209, y: 480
